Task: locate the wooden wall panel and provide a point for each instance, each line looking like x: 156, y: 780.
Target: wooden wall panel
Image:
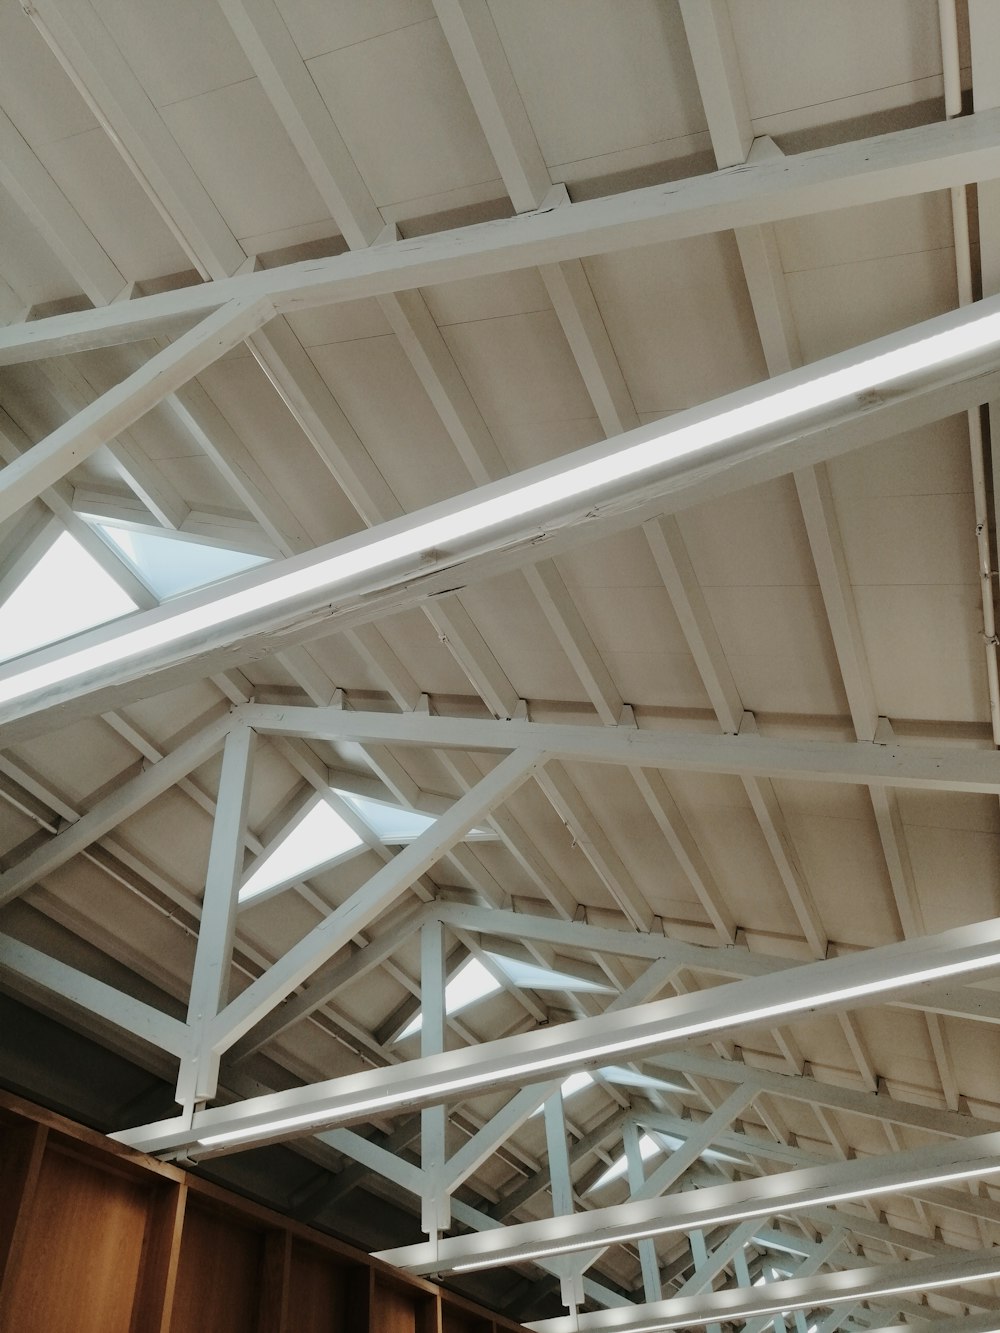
x: 325, y: 1296
x: 218, y: 1276
x: 84, y: 1236
x: 97, y: 1239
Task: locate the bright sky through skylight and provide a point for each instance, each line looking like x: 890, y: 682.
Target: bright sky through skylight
x: 321, y: 836
x: 170, y: 565
x: 470, y: 983
x: 533, y: 977
x: 647, y: 1149
x: 65, y: 592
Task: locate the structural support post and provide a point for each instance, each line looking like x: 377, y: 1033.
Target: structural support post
x: 636, y: 1179
x: 199, y: 1072
x: 436, y: 1212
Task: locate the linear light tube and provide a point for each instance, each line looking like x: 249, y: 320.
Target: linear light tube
x: 738, y: 1215
x: 557, y: 1064
x: 808, y: 1303
x: 782, y: 406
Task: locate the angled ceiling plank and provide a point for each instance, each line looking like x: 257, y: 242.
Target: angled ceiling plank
x: 888, y: 166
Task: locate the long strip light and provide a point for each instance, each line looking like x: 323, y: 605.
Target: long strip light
x: 810, y: 1302
x: 409, y: 538
x: 563, y: 1063
x: 516, y: 1256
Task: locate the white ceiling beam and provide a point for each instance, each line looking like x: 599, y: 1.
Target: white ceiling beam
x: 587, y: 1043
x: 66, y: 385
x: 888, y: 166
x: 117, y: 806
x: 101, y: 420
x: 54, y: 218
x: 717, y: 68
x: 198, y: 1078
x: 514, y: 540
x: 323, y: 941
x: 945, y: 768
x: 74, y: 990
x: 708, y: 1206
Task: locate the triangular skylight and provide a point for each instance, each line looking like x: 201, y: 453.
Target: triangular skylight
x: 474, y: 982
x: 647, y: 1148
x: 170, y: 565
x: 393, y: 825
x: 532, y: 976
x: 66, y: 591
x: 470, y: 983
x: 316, y: 840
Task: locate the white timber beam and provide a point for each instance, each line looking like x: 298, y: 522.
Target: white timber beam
x: 534, y: 1057
x: 199, y: 1072
x: 117, y: 806
x: 919, y: 766
x: 48, y: 461
x: 436, y: 1210
x: 913, y: 161
x: 709, y: 1206
x: 74, y: 990
x: 381, y: 891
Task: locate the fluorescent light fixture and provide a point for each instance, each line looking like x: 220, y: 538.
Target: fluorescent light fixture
x: 454, y: 1084
x: 64, y: 592
x: 407, y: 539
x: 741, y: 1214
x: 810, y: 1302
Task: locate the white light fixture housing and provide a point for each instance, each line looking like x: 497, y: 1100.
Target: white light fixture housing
x: 539, y: 499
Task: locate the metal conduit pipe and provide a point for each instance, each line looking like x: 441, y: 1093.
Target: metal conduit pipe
x: 951, y: 69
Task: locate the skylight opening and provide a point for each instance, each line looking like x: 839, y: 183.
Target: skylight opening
x: 169, y: 564
x: 471, y: 983
x: 392, y: 824
x: 64, y: 592
x: 318, y: 839
x: 532, y: 976
x: 647, y: 1149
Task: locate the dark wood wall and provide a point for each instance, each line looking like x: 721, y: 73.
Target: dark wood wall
x: 97, y: 1239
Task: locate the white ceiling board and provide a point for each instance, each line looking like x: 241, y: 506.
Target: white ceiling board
x: 251, y: 405
x: 525, y: 443
x: 114, y: 206
x: 899, y: 1046
x: 177, y: 50
x: 621, y: 561
x: 234, y: 140
x: 37, y: 96
x: 416, y: 644
x: 379, y: 391
x: 875, y: 231
x: 956, y: 872
x: 797, y: 55
x: 519, y: 368
x: 778, y: 647
x: 845, y: 304
x: 349, y: 321
x: 951, y: 810
x: 339, y: 23
x: 422, y: 140
x: 912, y: 539
x: 924, y: 651
x: 660, y: 680
x: 28, y: 265
x: 474, y: 299
x: 564, y: 51
x: 975, y: 1048
x: 197, y: 478
x: 931, y: 461
x: 680, y: 321
x: 86, y: 756
x: 753, y: 537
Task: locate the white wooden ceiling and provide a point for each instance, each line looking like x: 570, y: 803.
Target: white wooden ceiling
x: 148, y: 146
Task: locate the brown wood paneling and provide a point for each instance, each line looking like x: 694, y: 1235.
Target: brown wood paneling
x: 326, y: 1295
x: 456, y: 1320
x: 83, y: 1243
x: 154, y: 1301
x: 398, y: 1308
x: 218, y: 1276
x: 21, y: 1149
